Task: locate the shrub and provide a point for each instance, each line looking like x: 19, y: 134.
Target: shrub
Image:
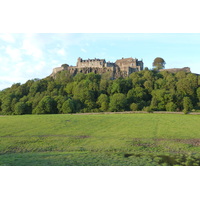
x: 134, y: 107
x: 171, y: 106
x: 147, y: 109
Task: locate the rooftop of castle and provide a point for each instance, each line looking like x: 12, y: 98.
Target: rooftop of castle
x: 90, y: 60
x: 126, y: 59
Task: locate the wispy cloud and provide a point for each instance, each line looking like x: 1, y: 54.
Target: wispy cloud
x: 62, y: 52
x: 83, y: 50
x: 14, y: 53
x: 28, y: 56
x: 32, y: 46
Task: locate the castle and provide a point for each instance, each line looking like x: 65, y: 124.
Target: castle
x: 121, y: 68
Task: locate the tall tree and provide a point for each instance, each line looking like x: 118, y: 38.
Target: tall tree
x: 159, y: 63
x: 187, y: 105
x: 118, y: 102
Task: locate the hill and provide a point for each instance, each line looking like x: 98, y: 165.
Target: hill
x: 144, y: 90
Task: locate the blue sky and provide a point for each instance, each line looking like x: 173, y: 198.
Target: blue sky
x: 28, y: 56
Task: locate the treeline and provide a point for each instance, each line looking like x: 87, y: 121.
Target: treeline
x: 146, y: 90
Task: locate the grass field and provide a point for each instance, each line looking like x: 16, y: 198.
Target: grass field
x: 102, y: 139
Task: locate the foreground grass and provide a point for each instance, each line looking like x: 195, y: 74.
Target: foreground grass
x: 104, y: 139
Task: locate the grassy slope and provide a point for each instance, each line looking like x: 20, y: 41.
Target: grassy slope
x: 112, y: 139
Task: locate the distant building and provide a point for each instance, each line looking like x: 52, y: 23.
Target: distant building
x: 130, y: 65
x: 121, y: 68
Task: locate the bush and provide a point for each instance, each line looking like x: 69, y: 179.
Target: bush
x: 171, y: 107
x: 134, y: 107
x: 147, y: 109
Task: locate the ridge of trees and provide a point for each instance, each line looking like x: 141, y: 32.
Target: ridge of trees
x: 147, y: 90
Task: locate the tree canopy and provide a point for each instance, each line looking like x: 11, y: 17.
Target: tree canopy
x: 145, y: 90
x: 159, y: 63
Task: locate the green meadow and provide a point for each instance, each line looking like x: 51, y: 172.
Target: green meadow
x: 100, y: 140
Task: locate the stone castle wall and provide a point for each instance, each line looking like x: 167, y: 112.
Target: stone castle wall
x: 121, y: 68
x: 174, y: 70
x: 90, y: 63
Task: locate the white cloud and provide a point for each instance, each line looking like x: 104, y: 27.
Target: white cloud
x: 14, y: 53
x: 7, y: 37
x: 61, y: 52
x: 32, y: 46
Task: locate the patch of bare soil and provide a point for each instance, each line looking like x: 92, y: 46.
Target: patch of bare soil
x: 194, y: 142
x: 141, y: 142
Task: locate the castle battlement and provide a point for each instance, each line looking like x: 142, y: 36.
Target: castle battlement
x: 90, y: 63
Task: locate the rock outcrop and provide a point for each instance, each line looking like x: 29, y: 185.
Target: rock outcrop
x: 174, y: 70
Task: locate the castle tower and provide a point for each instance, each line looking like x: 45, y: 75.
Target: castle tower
x: 79, y: 62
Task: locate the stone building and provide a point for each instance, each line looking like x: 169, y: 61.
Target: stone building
x: 121, y: 68
x: 90, y: 63
x: 129, y: 64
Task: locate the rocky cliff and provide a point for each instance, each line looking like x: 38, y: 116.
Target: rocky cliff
x: 112, y: 72
x: 174, y: 70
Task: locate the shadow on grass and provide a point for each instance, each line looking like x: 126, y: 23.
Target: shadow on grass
x: 96, y: 159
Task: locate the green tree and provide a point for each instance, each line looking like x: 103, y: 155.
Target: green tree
x: 121, y: 85
x: 20, y: 108
x: 78, y: 77
x: 137, y: 94
x: 69, y: 87
x: 187, y: 105
x: 148, y: 85
x: 59, y: 101
x: 185, y: 87
x: 198, y: 93
x: 7, y: 103
x: 180, y: 75
x: 103, y: 85
x: 171, y: 106
x: 159, y: 63
x: 81, y: 92
x: 103, y: 102
x: 63, y: 77
x: 68, y: 106
x: 134, y: 107
x: 46, y: 106
x: 159, y: 99
x: 118, y: 102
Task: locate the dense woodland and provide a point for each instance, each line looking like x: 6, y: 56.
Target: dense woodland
x: 147, y: 90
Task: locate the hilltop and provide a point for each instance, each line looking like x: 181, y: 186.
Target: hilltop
x: 85, y: 91
x: 121, y: 68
